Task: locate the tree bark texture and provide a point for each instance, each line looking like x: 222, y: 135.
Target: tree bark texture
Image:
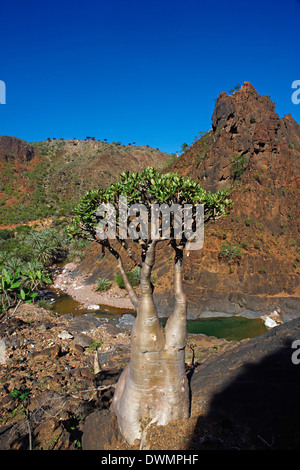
x: 154, y: 386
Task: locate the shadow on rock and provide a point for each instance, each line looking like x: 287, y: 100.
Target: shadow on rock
x: 249, y: 399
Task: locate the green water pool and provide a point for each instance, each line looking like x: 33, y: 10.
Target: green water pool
x: 231, y: 328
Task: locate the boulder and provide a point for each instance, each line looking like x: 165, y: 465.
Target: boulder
x: 65, y: 335
x: 85, y: 324
x: 126, y: 321
x: 100, y: 431
x: 82, y: 340
x: 255, y: 387
x: 270, y: 323
x: 47, y: 353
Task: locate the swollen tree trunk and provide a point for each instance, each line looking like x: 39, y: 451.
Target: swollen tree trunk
x: 153, y: 386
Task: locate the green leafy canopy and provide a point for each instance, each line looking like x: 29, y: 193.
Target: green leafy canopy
x: 147, y: 187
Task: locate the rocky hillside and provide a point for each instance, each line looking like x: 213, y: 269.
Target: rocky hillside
x: 248, y: 143
x: 51, y: 391
x: 12, y: 149
x: 250, y: 260
x: 46, y: 178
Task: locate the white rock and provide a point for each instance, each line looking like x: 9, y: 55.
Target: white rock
x: 270, y: 323
x: 93, y: 307
x: 2, y: 352
x: 65, y: 335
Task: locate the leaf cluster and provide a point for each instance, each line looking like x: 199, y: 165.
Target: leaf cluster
x: 20, y: 394
x: 24, y: 257
x: 134, y: 277
x: 146, y: 187
x: 20, y: 284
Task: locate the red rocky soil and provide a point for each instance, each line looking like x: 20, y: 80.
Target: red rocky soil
x: 245, y: 395
x: 53, y: 356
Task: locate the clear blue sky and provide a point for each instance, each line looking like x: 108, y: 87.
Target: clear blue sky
x: 144, y: 71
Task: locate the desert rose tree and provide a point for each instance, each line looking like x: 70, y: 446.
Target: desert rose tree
x: 153, y: 385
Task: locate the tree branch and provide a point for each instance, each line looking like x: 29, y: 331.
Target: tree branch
x: 131, y: 292
x: 130, y: 253
x: 178, y: 289
x: 147, y: 265
x: 176, y: 324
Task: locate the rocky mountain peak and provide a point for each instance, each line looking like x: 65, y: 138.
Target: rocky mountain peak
x: 245, y: 104
x: 247, y: 136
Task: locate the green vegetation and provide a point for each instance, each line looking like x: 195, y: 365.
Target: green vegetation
x: 172, y: 160
x: 244, y: 244
x: 95, y: 345
x: 184, y: 147
x: 136, y: 389
x: 20, y: 394
x: 230, y: 251
x: 51, y: 184
x: 23, y: 266
x: 238, y: 165
x: 103, y: 284
x: 26, y: 256
x: 145, y: 187
x: 134, y: 278
x: 30, y: 190
x: 234, y: 89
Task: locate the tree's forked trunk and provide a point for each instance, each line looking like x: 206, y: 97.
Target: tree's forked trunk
x: 153, y: 386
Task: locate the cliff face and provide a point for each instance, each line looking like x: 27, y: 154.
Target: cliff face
x: 256, y: 154
x: 246, y: 134
x: 12, y: 148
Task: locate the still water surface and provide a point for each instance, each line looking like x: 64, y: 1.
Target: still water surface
x: 231, y: 328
